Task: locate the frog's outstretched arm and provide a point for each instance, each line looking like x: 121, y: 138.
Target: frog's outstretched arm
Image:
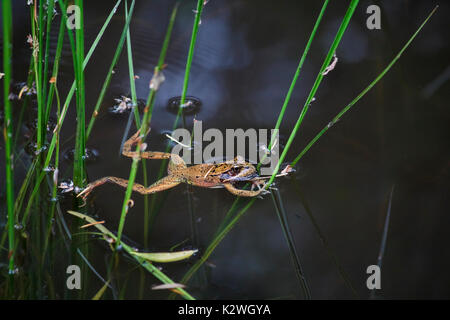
x: 175, y: 160
x: 160, y: 185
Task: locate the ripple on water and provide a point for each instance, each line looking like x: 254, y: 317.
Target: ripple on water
x: 90, y: 155
x: 191, y: 105
x: 20, y: 90
x: 32, y: 149
x: 124, y: 104
x: 33, y: 123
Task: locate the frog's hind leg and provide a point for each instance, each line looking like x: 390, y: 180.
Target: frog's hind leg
x: 243, y: 193
x: 160, y: 185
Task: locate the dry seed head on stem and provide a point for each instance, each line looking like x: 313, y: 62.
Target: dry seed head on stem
x: 331, y: 66
x: 157, y: 79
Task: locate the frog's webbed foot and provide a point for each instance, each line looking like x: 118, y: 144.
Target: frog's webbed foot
x: 91, y: 186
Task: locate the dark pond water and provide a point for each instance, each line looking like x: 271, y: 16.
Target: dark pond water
x: 246, y: 55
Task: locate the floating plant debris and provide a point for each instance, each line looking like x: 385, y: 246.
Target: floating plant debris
x: 164, y: 257
x: 66, y: 186
x: 165, y: 140
x: 32, y: 149
x: 157, y: 79
x: 178, y: 142
x: 90, y: 155
x: 191, y: 105
x: 125, y: 104
x: 33, y: 124
x: 54, y: 199
x: 168, y: 286
x: 50, y: 168
x: 20, y: 90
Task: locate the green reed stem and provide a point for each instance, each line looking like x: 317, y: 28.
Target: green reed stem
x: 59, y: 46
x: 78, y: 164
x: 50, y: 7
x: 299, y: 68
x: 316, y: 85
x: 110, y: 71
x: 55, y: 140
x: 190, y: 57
x: 131, y: 72
x: 137, y: 119
x: 228, y: 227
x: 25, y: 102
x: 64, y: 110
x: 8, y: 127
x: 148, y: 266
x: 282, y: 216
x: 40, y: 74
x: 373, y: 293
x: 38, y: 44
x: 195, y: 27
x: 286, y: 101
x: 37, y: 55
x: 187, y: 72
x: 145, y: 124
x: 198, y: 14
x: 323, y: 239
x: 55, y: 177
x: 362, y: 94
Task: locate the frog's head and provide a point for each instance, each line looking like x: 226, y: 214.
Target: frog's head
x: 239, y: 170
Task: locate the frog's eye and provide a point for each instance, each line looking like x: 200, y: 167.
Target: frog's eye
x: 235, y: 169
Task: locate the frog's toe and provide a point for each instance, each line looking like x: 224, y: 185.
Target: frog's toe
x: 262, y: 193
x: 136, y: 135
x: 84, y: 194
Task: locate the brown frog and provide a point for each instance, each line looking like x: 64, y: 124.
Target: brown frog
x: 224, y: 174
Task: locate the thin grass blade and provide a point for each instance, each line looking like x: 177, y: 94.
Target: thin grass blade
x: 284, y: 222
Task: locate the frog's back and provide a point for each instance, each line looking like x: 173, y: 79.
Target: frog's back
x: 203, y: 175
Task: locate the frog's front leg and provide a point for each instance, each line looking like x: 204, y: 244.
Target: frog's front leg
x: 160, y: 185
x: 175, y: 160
x: 243, y: 193
x: 134, y: 139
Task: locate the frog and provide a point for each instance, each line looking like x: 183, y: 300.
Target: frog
x: 208, y: 175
